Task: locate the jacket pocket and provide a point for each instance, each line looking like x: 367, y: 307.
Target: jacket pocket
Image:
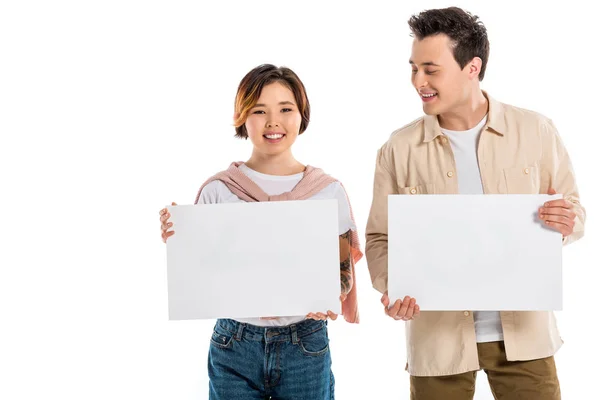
x: 523, y: 179
x: 427, y: 188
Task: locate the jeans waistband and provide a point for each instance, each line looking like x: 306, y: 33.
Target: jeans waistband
x: 290, y: 332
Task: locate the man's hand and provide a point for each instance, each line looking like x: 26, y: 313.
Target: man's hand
x: 404, y: 310
x: 558, y: 215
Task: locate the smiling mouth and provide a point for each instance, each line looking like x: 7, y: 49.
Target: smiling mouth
x: 427, y: 97
x: 274, y: 136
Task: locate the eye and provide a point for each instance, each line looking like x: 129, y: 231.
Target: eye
x: 430, y: 72
x: 286, y: 110
x: 258, y: 112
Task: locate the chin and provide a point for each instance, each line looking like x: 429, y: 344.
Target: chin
x: 274, y: 151
x: 431, y: 109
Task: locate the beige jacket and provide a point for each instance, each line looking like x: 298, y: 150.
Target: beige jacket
x: 519, y: 151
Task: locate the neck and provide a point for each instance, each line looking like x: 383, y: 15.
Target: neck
x: 467, y: 115
x: 275, y: 164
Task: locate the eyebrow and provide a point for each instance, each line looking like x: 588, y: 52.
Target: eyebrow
x: 280, y: 103
x: 431, y: 63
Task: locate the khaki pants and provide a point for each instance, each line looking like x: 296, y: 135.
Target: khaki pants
x: 509, y: 380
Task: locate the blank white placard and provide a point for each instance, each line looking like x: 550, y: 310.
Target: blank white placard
x: 261, y: 259
x: 473, y: 252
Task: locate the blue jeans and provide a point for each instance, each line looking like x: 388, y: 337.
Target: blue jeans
x: 251, y: 362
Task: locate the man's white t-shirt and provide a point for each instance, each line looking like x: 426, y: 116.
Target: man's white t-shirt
x: 488, y: 326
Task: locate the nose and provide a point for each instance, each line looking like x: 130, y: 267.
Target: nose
x: 419, y: 80
x: 272, y: 124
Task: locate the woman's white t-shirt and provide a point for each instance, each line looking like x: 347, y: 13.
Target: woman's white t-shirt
x: 217, y: 192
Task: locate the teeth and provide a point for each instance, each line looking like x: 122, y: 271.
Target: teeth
x: 428, y: 95
x: 273, y: 136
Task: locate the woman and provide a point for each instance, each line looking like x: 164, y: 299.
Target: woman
x: 284, y: 357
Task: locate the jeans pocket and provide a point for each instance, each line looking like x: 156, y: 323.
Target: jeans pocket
x: 221, y: 339
x: 315, y: 343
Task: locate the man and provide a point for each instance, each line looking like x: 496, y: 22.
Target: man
x: 469, y: 143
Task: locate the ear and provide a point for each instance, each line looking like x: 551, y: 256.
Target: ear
x: 474, y: 68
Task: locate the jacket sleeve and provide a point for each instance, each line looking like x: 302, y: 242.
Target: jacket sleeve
x: 376, y: 247
x: 557, y: 173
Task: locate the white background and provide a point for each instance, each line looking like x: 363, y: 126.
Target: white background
x: 110, y: 110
